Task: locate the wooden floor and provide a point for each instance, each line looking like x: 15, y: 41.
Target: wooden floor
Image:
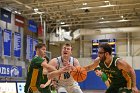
x: 93, y: 91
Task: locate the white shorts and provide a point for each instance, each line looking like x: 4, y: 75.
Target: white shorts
x: 75, y: 88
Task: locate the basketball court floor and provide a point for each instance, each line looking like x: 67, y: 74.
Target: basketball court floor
x: 93, y: 91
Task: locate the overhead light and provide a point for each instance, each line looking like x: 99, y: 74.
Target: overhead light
x: 62, y: 23
x: 106, y: 1
x: 19, y: 12
x: 102, y: 18
x: 16, y: 12
x: 122, y: 17
x: 36, y: 9
x: 84, y: 3
x: 38, y: 13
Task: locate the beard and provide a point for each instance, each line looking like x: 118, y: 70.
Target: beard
x: 103, y: 58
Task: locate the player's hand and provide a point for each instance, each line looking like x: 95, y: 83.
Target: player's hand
x: 66, y: 68
x: 42, y: 86
x: 134, y: 90
x: 73, y: 67
x: 97, y: 59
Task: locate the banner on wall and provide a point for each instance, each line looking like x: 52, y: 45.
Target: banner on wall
x: 10, y: 71
x: 19, y: 21
x: 32, y: 26
x: 29, y: 48
x: 5, y: 15
x: 0, y: 41
x: 35, y: 42
x: 7, y: 42
x: 40, y: 30
x: 17, y: 44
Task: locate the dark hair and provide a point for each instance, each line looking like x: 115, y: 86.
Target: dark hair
x: 47, y: 59
x: 106, y: 47
x: 39, y: 45
x: 97, y: 68
x: 68, y: 44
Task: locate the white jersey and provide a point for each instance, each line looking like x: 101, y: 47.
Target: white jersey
x: 66, y: 80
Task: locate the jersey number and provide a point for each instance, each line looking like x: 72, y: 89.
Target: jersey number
x: 66, y: 75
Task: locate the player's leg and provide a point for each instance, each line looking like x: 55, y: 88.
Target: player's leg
x: 75, y: 88
x: 112, y: 89
x: 125, y: 90
x: 62, y: 90
x: 45, y: 90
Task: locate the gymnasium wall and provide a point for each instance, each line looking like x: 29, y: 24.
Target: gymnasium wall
x: 11, y: 60
x: 24, y: 31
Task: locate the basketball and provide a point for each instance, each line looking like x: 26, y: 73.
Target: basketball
x: 79, y: 74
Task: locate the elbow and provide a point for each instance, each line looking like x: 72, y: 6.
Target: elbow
x: 131, y: 72
x: 45, y: 71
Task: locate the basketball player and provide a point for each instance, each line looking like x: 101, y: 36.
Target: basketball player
x: 44, y: 81
x: 66, y: 80
x: 113, y: 66
x: 35, y: 70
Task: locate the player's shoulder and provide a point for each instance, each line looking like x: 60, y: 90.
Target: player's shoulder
x: 121, y: 63
x: 54, y: 61
x: 36, y: 58
x: 75, y: 59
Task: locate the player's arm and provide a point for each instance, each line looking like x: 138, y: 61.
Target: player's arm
x: 105, y: 79
x: 107, y: 83
x: 93, y: 65
x: 50, y: 68
x: 56, y: 73
x: 121, y: 64
x: 76, y: 63
x: 128, y: 79
x: 46, y: 84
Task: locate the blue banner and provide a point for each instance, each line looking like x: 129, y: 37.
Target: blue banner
x: 17, y: 44
x: 29, y: 48
x: 10, y: 71
x: 32, y: 26
x: 7, y: 42
x: 0, y: 41
x: 5, y: 15
x: 35, y: 42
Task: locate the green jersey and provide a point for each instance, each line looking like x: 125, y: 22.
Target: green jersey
x: 34, y: 74
x: 113, y: 73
